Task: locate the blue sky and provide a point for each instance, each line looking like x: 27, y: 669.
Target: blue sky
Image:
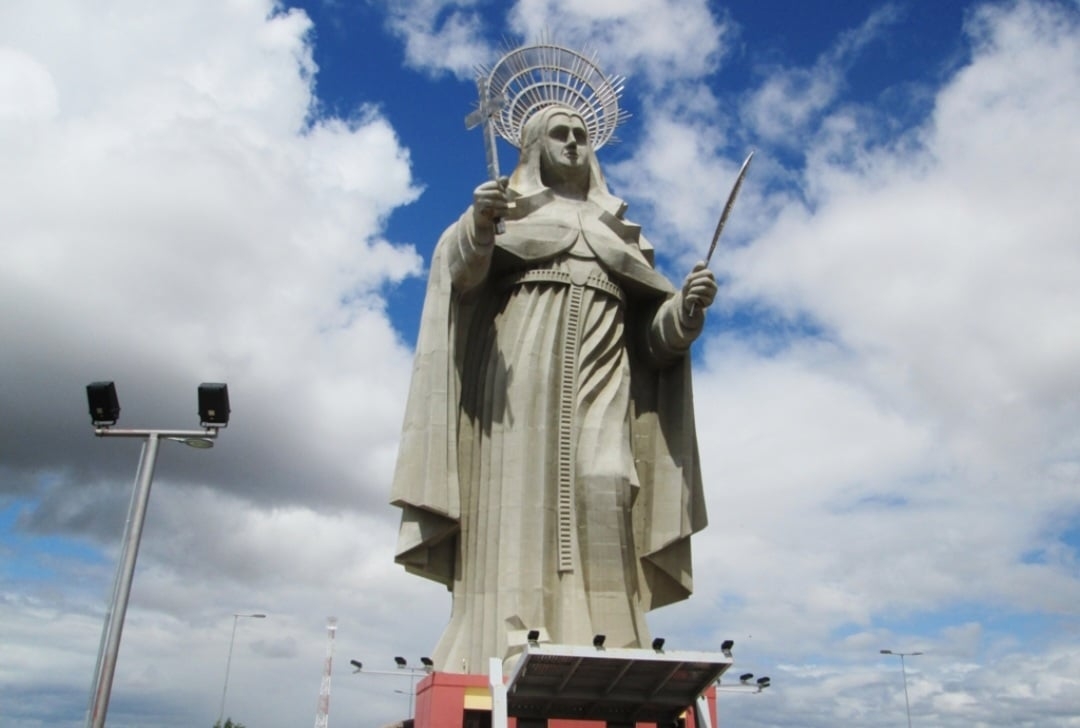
x: 888, y: 393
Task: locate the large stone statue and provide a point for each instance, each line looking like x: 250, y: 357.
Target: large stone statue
x: 548, y: 470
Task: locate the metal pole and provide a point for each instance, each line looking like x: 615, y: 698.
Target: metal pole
x: 903, y: 671
x: 96, y: 681
x: 110, y: 644
x: 228, y: 664
x: 401, y: 671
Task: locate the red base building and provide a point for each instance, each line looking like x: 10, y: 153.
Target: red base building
x: 556, y: 686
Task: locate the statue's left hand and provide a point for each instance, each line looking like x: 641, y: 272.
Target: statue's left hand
x: 699, y: 290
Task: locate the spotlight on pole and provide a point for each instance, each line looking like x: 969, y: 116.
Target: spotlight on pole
x: 104, y: 406
x: 746, y: 684
x: 213, y: 404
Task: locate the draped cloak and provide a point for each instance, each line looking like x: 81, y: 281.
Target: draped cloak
x: 548, y: 471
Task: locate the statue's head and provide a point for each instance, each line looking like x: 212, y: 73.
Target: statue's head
x: 564, y: 151
x: 555, y: 150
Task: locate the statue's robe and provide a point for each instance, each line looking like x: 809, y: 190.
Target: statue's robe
x: 548, y: 471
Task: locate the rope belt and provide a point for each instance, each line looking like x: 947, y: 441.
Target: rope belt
x: 597, y: 281
x: 578, y: 282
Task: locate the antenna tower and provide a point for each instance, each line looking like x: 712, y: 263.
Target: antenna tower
x: 322, y: 712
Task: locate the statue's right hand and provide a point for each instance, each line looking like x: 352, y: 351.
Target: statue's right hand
x: 490, y: 202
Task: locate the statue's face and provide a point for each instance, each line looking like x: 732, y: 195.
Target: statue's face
x: 565, y: 154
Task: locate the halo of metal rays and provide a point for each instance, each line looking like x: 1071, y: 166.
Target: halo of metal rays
x: 532, y: 77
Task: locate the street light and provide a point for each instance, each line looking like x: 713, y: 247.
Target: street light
x: 104, y: 412
x: 746, y: 684
x: 403, y: 669
x: 903, y: 670
x: 228, y: 663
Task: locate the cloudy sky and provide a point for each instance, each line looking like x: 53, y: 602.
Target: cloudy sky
x: 888, y: 394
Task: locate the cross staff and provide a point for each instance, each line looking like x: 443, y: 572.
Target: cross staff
x: 487, y: 108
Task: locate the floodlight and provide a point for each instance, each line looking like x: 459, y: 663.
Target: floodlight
x: 357, y: 664
x: 746, y: 677
x: 658, y: 644
x: 763, y: 682
x: 598, y: 641
x: 886, y: 652
x: 401, y: 662
x: 427, y: 663
x: 533, y: 636
x: 213, y: 404
x: 104, y: 406
x: 726, y: 646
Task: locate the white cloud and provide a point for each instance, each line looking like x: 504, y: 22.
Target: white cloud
x: 954, y: 262
x: 897, y: 435
x: 790, y: 101
x: 662, y: 40
x: 184, y: 225
x: 903, y: 440
x: 27, y: 91
x: 680, y: 178
x: 442, y: 35
x: 172, y: 213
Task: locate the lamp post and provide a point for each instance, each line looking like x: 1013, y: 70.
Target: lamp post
x: 403, y: 669
x: 228, y: 663
x: 104, y: 412
x: 903, y: 671
x: 746, y: 684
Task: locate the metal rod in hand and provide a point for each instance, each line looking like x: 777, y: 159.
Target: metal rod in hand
x: 728, y: 206
x: 725, y: 214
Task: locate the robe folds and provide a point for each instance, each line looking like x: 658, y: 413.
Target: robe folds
x: 548, y: 470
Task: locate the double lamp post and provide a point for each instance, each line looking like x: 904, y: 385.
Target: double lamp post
x: 104, y: 412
